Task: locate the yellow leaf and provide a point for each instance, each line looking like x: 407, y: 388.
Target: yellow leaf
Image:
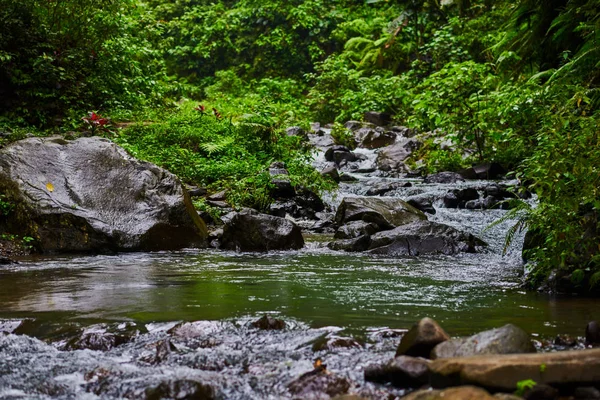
x: 50, y: 187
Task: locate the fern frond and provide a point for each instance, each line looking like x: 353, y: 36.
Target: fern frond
x: 218, y: 146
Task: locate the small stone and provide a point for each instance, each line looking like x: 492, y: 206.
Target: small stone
x: 268, y: 323
x: 592, y: 333
x: 422, y: 338
x: 219, y: 196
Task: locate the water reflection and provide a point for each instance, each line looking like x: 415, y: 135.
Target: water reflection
x: 466, y: 293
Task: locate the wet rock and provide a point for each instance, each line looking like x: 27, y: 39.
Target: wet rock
x: 267, y: 323
x: 592, y: 333
x: 353, y: 125
x: 296, y: 131
x: 328, y: 343
x: 391, y: 158
x: 451, y: 200
x: 541, y: 392
x: 402, y: 372
x: 342, y: 152
x: 484, y: 171
x: 89, y: 195
x: 348, y: 178
x: 376, y: 138
x: 458, y: 198
x: 196, y: 191
x: 386, y: 213
x: 49, y: 331
x: 218, y: 204
x: 564, y: 341
x: 421, y: 339
x: 503, y: 372
x: 7, y: 261
x: 193, y: 330
x: 317, y: 383
x: 360, y: 243
x: 248, y: 230
x: 421, y: 203
x: 309, y: 200
x: 282, y: 189
x: 355, y: 229
x: 378, y: 118
x: 423, y: 237
x: 385, y: 187
x: 444, y: 177
x: 458, y: 393
x: 159, y: 352
x: 278, y: 168
x: 219, y: 196
x: 321, y: 140
x: 9, y: 325
x: 508, y: 339
x: 404, y: 131
x: 331, y: 172
x: 181, y: 389
x: 104, y: 337
x: 281, y: 208
x: 586, y: 393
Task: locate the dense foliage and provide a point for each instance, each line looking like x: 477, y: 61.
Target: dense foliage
x: 513, y: 82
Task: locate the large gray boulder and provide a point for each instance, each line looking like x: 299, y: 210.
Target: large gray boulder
x: 423, y: 237
x: 386, y: 213
x: 508, y: 339
x: 249, y: 230
x: 89, y: 195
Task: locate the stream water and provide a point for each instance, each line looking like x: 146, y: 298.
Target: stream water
x: 320, y: 293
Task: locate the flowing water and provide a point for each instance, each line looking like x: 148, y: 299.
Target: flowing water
x: 321, y: 294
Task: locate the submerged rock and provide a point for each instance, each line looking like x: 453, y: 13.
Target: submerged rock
x: 268, y: 323
x: 89, y: 195
x: 181, y: 389
x: 422, y: 338
x: 386, y: 213
x: 423, y: 237
x: 508, y: 339
x: 249, y: 230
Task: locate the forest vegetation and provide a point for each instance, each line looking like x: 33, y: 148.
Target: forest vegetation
x: 207, y: 89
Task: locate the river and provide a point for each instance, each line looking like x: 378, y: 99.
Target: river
x: 320, y: 293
